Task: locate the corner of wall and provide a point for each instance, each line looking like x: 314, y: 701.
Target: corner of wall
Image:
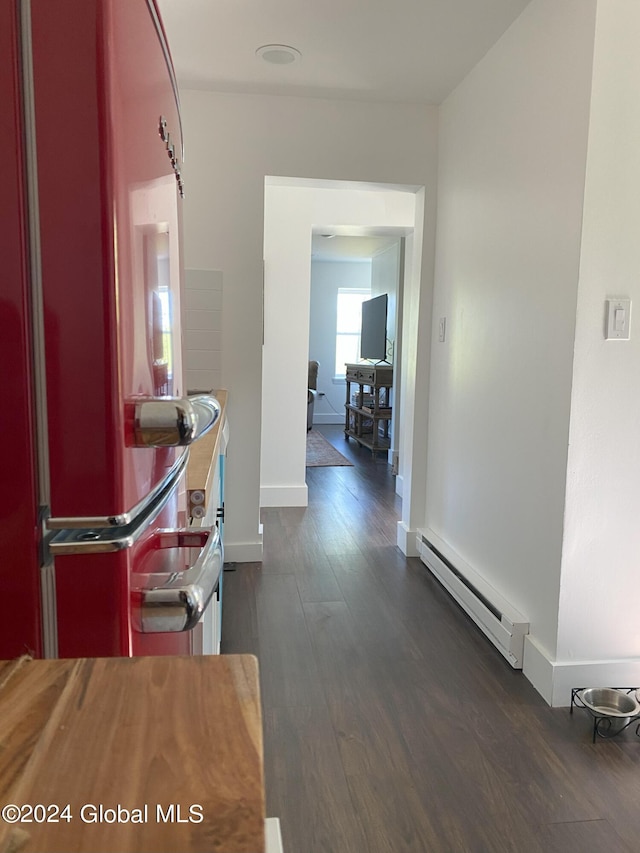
x: 273, y: 496
x: 538, y: 668
x: 406, y: 540
x: 554, y: 680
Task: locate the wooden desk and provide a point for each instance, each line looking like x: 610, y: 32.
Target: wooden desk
x: 142, y: 734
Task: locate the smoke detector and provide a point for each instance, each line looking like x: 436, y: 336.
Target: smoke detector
x: 279, y: 54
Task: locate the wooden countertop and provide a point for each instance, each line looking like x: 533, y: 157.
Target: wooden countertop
x: 142, y: 734
x: 203, y: 455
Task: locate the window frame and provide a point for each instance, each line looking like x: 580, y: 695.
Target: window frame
x: 340, y: 375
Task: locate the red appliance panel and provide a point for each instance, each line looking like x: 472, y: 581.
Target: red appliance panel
x: 96, y: 598
x: 145, y: 130
x: 110, y: 234
x: 109, y: 144
x: 19, y: 586
x: 77, y: 258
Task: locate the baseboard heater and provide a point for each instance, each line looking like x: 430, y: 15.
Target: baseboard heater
x: 496, y: 618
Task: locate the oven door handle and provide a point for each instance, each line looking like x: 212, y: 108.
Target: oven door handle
x: 175, y: 601
x: 172, y: 421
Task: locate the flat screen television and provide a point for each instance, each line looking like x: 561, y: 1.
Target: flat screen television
x: 373, y: 334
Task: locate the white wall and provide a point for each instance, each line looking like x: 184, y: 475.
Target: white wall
x: 511, y: 178
x: 385, y: 269
x: 326, y: 278
x: 600, y: 590
x: 291, y: 213
x: 202, y: 321
x: 232, y: 143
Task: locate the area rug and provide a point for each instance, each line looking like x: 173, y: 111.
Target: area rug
x: 322, y: 454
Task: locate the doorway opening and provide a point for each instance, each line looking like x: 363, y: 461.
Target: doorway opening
x: 347, y: 273
x: 297, y: 212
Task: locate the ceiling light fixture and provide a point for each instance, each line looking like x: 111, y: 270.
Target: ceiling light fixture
x: 278, y: 54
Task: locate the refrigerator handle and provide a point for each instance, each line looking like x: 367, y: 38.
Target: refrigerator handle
x: 172, y: 421
x: 175, y: 601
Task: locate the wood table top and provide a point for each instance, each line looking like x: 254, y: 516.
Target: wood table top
x: 169, y: 747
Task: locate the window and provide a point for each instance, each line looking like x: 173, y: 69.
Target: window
x: 349, y: 319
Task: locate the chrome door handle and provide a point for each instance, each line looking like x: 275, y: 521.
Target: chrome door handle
x: 173, y: 421
x: 175, y: 601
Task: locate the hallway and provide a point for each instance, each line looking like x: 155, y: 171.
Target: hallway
x: 391, y: 724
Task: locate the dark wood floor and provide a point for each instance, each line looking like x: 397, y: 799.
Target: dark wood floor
x: 390, y: 723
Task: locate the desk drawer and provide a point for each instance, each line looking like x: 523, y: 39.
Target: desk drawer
x: 367, y: 374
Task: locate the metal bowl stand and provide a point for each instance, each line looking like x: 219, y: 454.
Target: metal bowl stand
x: 602, y: 722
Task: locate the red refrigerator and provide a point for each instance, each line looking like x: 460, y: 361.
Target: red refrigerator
x: 97, y: 557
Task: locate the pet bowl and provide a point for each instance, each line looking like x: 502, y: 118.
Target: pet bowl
x: 606, y: 702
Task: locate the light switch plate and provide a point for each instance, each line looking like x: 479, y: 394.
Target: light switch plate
x: 618, y: 319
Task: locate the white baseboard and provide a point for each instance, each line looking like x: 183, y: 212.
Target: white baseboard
x: 554, y: 680
x: 243, y: 552
x: 538, y: 669
x: 284, y: 496
x: 406, y: 540
x: 273, y: 838
x: 328, y: 418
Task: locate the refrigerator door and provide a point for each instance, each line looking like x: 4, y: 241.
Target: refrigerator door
x: 20, y: 630
x: 109, y: 149
x: 108, y: 139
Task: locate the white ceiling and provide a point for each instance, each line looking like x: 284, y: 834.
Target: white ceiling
x: 349, y: 248
x: 412, y: 51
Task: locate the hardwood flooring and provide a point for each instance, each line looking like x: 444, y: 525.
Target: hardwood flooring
x: 391, y: 724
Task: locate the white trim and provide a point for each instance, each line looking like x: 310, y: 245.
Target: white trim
x: 538, y: 669
x: 399, y: 485
x: 273, y: 838
x: 284, y: 496
x: 243, y: 552
x: 406, y: 540
x: 554, y: 680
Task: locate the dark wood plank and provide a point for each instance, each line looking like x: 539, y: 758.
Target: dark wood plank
x: 342, y: 661
x: 608, y: 774
x: 316, y: 580
x: 306, y: 785
x: 291, y: 678
x: 591, y: 836
x: 394, y: 814
x: 240, y: 622
x: 392, y: 723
